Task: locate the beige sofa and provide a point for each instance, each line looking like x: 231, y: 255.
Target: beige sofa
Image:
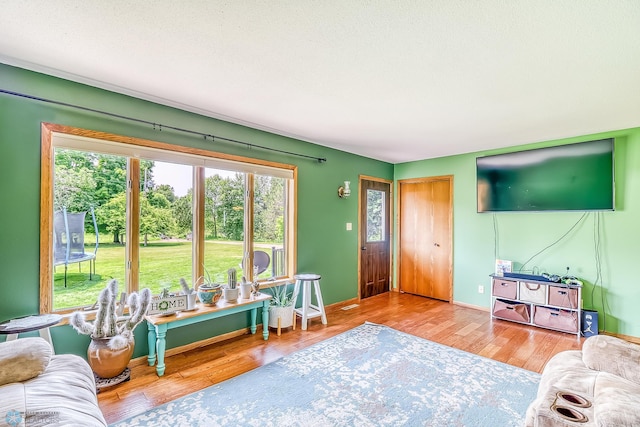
x: 598, y: 386
x: 41, y: 389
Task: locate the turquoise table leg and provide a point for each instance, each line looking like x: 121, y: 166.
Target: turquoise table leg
x: 156, y: 334
x: 265, y: 320
x: 254, y: 318
x: 161, y: 345
x: 151, y: 341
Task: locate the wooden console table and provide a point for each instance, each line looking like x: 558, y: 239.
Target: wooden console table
x: 159, y: 324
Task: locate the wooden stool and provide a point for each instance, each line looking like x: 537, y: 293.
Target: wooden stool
x: 308, y: 310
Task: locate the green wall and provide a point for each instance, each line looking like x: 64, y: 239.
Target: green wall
x: 324, y: 246
x: 522, y: 235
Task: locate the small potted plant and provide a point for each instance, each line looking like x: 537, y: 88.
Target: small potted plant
x: 230, y: 293
x: 209, y: 292
x: 280, y: 307
x: 112, y: 339
x: 190, y: 293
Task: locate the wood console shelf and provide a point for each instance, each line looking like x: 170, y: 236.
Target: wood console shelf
x: 535, y: 301
x: 158, y: 325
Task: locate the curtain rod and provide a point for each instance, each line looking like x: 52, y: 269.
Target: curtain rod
x: 160, y: 126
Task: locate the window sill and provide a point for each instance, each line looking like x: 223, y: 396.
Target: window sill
x: 90, y: 312
x: 266, y: 284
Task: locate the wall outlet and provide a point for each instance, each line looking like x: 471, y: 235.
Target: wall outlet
x: 481, y: 289
x: 349, y: 226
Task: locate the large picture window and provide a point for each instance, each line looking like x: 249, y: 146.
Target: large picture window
x: 148, y: 213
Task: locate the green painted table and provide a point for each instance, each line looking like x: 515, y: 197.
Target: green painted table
x: 159, y: 324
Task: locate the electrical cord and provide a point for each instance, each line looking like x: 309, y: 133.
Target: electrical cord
x: 568, y: 289
x: 597, y: 239
x: 597, y: 243
x: 496, y: 237
x: 584, y: 215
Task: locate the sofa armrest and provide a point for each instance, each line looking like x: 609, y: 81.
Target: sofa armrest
x: 23, y: 359
x: 613, y: 355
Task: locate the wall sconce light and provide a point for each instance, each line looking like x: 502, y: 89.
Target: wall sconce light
x: 344, y: 192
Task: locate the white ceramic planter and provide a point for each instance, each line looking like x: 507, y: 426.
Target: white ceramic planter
x: 245, y: 290
x: 284, y: 313
x: 230, y: 294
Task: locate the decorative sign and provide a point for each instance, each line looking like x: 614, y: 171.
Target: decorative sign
x: 503, y: 266
x: 167, y: 305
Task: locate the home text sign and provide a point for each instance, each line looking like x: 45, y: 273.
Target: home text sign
x: 167, y: 305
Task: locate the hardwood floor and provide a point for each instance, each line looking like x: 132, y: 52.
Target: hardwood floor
x: 453, y: 325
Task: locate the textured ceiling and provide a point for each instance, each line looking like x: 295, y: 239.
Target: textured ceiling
x: 391, y: 80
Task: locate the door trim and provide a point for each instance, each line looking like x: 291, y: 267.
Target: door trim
x: 448, y: 178
x: 391, y: 227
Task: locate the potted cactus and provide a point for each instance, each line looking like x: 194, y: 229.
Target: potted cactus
x: 112, y: 339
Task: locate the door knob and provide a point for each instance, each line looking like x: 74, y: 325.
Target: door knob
x: 364, y: 248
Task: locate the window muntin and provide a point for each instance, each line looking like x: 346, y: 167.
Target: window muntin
x: 135, y: 260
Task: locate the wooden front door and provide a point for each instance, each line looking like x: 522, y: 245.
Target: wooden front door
x: 375, y: 239
x: 425, y: 237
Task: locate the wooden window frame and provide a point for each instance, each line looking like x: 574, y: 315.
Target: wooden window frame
x: 132, y: 239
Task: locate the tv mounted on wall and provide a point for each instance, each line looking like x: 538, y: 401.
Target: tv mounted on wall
x: 573, y: 177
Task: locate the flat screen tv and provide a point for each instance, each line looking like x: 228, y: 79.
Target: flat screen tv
x: 573, y: 177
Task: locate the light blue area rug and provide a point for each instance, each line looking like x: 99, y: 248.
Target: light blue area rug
x: 371, y: 375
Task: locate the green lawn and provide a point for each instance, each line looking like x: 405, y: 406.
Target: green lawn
x: 162, y: 264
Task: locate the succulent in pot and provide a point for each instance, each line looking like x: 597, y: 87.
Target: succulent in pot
x: 281, y: 307
x: 209, y: 292
x: 112, y: 338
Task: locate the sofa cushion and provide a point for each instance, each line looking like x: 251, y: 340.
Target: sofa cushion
x: 12, y: 400
x: 613, y: 355
x: 616, y: 401
x: 65, y: 393
x: 23, y: 359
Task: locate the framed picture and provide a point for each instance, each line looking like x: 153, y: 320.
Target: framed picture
x: 503, y: 266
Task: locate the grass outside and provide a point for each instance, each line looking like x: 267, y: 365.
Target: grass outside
x: 162, y: 264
